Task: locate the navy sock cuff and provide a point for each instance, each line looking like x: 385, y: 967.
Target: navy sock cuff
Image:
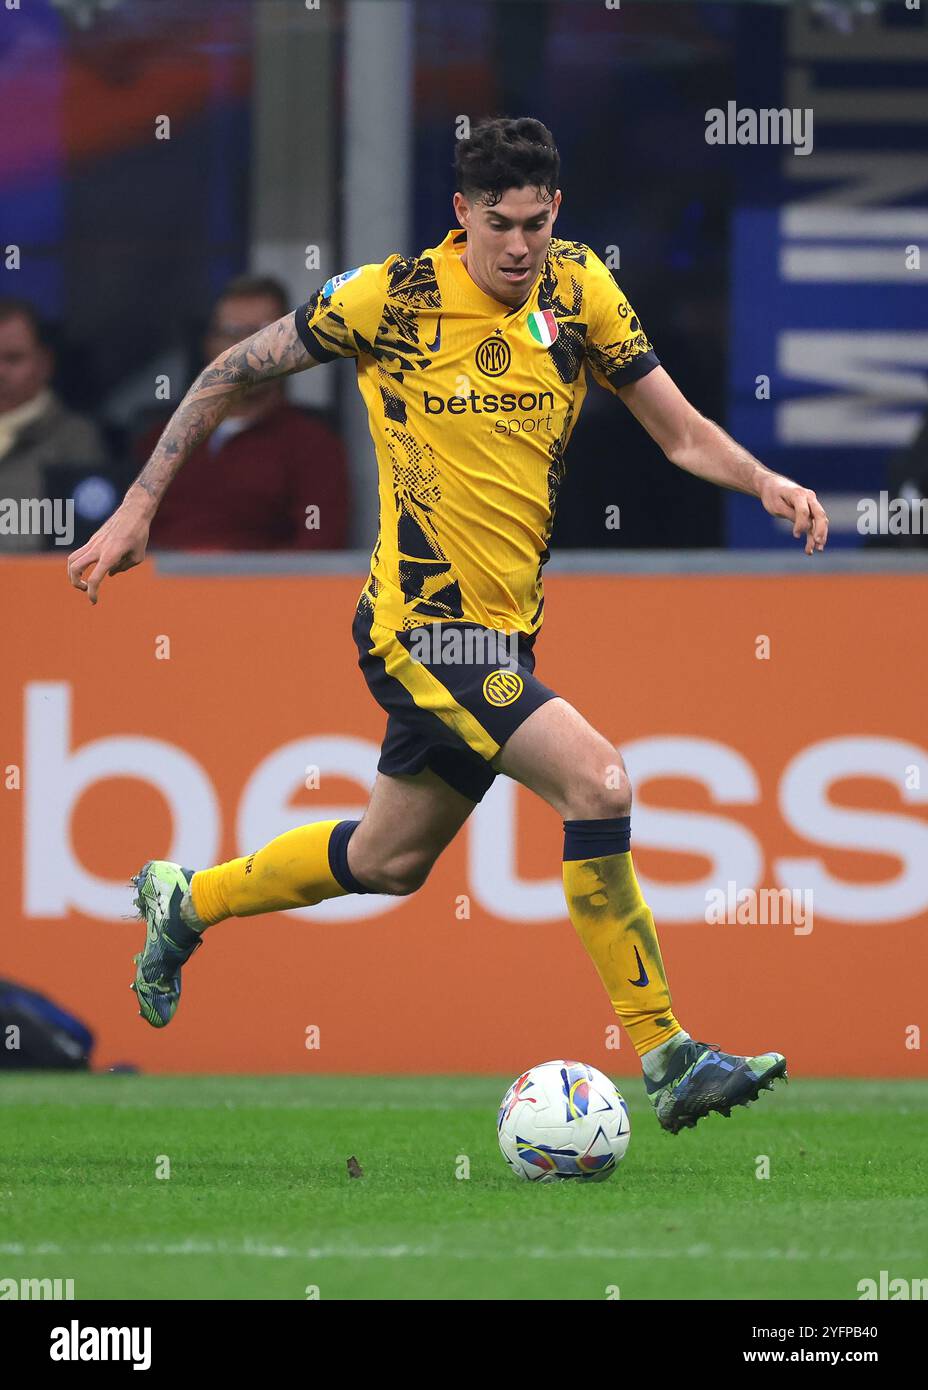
x: 338, y: 856
x: 594, y: 839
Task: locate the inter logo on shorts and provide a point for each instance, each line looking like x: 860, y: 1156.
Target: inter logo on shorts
x: 543, y: 327
x: 493, y: 356
x: 502, y: 687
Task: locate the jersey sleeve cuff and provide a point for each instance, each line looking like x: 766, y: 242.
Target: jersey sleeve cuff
x: 308, y: 338
x: 634, y: 370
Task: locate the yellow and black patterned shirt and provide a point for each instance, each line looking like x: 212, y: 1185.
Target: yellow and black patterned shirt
x: 471, y: 404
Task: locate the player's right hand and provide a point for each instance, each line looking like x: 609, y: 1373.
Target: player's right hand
x: 119, y: 545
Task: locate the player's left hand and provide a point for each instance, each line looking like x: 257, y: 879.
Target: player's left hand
x: 782, y: 497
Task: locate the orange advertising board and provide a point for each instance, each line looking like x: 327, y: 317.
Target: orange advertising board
x: 776, y: 735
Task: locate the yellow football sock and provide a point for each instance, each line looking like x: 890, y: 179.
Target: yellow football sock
x: 616, y: 926
x: 297, y: 869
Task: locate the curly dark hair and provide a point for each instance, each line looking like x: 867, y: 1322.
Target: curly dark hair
x: 506, y: 153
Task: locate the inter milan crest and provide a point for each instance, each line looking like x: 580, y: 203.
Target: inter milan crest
x: 493, y: 356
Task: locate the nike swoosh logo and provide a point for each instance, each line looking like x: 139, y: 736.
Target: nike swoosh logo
x: 642, y: 979
x: 433, y: 347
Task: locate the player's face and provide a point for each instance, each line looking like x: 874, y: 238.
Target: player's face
x: 25, y: 366
x: 507, y: 241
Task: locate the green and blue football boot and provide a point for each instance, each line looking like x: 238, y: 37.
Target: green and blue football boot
x: 169, y: 941
x: 701, y: 1079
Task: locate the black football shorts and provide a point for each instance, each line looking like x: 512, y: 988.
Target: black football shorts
x: 453, y: 692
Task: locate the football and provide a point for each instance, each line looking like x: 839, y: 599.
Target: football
x: 563, y: 1120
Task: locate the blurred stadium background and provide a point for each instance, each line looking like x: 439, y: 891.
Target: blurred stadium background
x: 151, y: 155
x: 771, y: 707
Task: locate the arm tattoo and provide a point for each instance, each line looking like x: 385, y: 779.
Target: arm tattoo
x: 274, y: 351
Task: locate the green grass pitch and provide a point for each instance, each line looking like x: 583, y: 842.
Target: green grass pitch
x: 259, y: 1203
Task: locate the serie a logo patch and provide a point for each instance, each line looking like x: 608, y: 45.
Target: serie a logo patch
x: 502, y: 687
x: 336, y: 282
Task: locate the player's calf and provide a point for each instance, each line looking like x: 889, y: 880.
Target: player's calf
x: 397, y: 874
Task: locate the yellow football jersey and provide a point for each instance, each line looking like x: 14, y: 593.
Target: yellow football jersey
x: 471, y: 404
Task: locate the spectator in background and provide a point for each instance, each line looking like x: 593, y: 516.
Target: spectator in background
x: 270, y: 477
x: 41, y: 441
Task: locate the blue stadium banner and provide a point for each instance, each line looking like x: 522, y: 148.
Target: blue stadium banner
x: 828, y: 374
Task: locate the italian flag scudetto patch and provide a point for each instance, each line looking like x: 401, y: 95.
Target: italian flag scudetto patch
x: 543, y: 327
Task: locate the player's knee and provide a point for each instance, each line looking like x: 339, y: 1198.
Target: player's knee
x: 400, y: 874
x: 601, y: 793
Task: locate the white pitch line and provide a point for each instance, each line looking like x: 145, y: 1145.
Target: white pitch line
x: 262, y: 1250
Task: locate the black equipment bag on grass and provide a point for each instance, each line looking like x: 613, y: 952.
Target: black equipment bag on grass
x: 35, y: 1033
